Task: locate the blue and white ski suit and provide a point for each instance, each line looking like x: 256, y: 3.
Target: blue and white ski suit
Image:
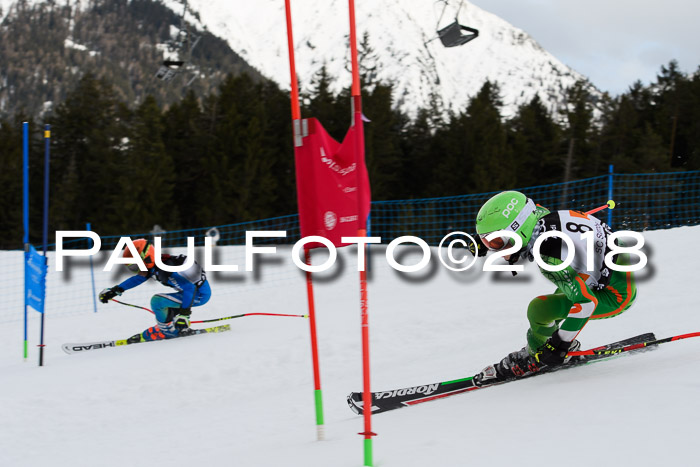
x: 191, y: 284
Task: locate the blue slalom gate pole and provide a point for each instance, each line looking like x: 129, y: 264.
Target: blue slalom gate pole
x: 610, y: 191
x: 47, y: 141
x: 25, y: 210
x: 88, y: 227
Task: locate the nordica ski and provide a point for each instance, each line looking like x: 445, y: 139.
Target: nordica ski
x: 135, y: 339
x: 383, y: 401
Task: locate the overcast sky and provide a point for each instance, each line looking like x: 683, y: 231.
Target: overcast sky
x: 612, y: 42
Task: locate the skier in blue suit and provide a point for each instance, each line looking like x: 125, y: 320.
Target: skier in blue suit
x: 172, y: 310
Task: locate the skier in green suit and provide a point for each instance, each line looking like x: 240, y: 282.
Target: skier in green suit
x: 581, y: 293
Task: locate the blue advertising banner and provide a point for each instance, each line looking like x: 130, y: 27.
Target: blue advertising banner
x: 35, y: 268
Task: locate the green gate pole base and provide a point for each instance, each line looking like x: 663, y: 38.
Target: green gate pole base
x: 368, y: 452
x: 318, y: 396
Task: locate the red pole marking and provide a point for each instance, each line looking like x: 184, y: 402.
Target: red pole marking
x: 364, y: 312
x: 362, y: 232
x: 312, y: 322
x: 353, y: 53
x: 296, y: 112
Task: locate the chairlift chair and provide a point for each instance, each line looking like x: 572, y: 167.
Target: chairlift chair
x: 453, y: 34
x: 182, y: 45
x: 169, y: 69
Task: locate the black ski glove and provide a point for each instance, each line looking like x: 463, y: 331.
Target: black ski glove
x: 108, y: 294
x: 476, y: 247
x: 553, y: 352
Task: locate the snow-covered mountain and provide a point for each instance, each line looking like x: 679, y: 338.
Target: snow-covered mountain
x: 406, y: 49
x: 400, y: 32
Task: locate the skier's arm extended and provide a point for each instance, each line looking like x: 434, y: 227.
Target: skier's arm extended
x: 133, y: 281
x: 107, y: 294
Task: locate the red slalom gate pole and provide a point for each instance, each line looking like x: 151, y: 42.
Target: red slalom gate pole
x: 364, y: 307
x: 366, y: 390
x: 318, y: 393
x: 296, y: 112
x: 296, y: 130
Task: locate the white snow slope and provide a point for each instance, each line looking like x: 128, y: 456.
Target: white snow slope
x: 245, y: 398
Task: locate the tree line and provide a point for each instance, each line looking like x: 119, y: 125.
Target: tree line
x: 227, y: 156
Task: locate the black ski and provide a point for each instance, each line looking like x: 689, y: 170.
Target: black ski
x: 383, y: 401
x: 136, y: 339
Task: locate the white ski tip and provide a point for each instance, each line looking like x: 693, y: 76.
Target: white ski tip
x: 77, y: 348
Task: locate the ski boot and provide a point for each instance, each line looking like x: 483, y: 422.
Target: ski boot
x: 160, y: 331
x: 515, y: 365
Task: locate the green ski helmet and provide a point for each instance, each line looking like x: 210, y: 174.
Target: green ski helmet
x: 509, y: 210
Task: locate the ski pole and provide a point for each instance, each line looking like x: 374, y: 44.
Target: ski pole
x: 248, y: 314
x: 610, y: 204
x: 632, y: 346
x: 135, y: 306
x: 219, y: 319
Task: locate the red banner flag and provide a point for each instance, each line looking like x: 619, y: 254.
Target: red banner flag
x: 330, y: 178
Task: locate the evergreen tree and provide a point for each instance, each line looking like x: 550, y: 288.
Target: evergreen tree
x: 419, y: 157
x: 147, y: 175
x: 382, y: 142
x: 11, y: 182
x: 184, y: 139
x: 332, y: 111
x: 254, y: 183
x: 494, y: 167
x: 535, y: 140
x: 475, y: 155
x: 673, y: 102
x: 582, y: 159
x: 85, y: 159
x: 278, y: 138
x: 238, y: 150
x: 692, y: 127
